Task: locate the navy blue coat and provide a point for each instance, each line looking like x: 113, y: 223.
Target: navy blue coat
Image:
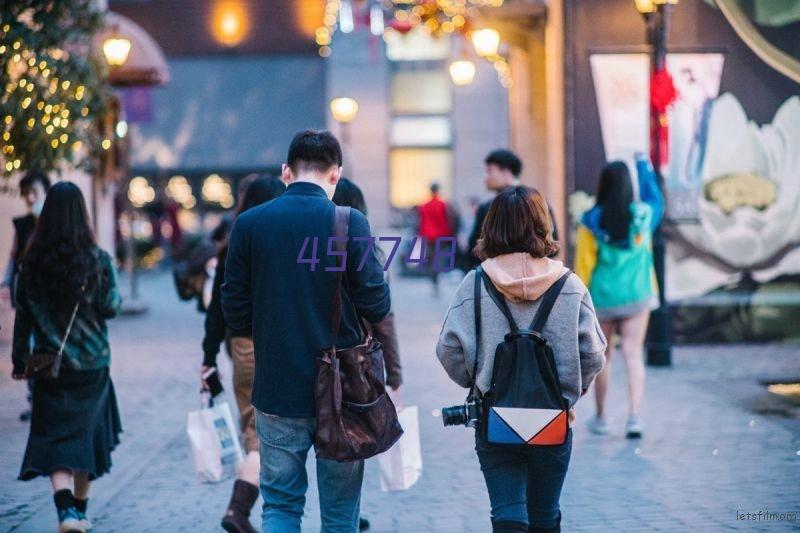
x: 287, y: 304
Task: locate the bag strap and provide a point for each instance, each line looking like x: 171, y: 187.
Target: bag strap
x: 499, y: 301
x: 548, y: 300
x: 60, y: 354
x: 477, y: 301
x: 341, y: 229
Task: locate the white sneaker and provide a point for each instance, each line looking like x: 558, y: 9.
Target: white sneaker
x: 598, y: 425
x: 634, y: 428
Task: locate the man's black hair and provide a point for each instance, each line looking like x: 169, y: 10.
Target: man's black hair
x: 316, y: 150
x: 28, y: 181
x: 505, y: 159
x: 435, y: 188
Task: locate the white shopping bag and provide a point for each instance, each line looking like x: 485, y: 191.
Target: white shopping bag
x: 401, y: 466
x: 216, y: 452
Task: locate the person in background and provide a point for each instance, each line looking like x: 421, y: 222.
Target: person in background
x: 503, y: 169
x: 437, y: 219
x: 348, y: 194
x: 286, y: 299
x: 614, y: 258
x: 33, y: 188
x: 75, y: 423
x: 240, y: 349
x: 524, y: 485
x: 219, y: 235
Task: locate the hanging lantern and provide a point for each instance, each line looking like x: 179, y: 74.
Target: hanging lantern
x: 462, y: 72
x: 486, y: 42
x: 116, y: 50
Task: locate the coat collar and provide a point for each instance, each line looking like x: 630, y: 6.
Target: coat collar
x: 305, y: 188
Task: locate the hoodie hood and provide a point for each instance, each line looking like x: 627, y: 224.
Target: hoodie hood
x: 520, y: 277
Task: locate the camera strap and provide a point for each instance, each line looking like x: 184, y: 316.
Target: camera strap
x: 477, y: 298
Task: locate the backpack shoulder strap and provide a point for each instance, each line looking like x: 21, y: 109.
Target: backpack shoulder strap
x: 499, y: 300
x: 548, y: 300
x: 477, y: 301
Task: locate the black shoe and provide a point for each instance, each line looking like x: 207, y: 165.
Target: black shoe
x: 25, y: 415
x: 363, y: 524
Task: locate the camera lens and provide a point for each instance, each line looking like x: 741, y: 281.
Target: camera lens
x: 454, y: 416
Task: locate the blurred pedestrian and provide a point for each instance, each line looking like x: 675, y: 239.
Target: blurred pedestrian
x: 33, y: 188
x: 503, y: 170
x: 287, y: 300
x: 614, y: 258
x: 240, y: 349
x: 67, y: 290
x: 437, y: 220
x: 524, y: 482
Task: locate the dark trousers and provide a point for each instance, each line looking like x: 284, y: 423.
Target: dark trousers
x: 524, y: 485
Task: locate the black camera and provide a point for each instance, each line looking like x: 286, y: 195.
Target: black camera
x: 466, y: 414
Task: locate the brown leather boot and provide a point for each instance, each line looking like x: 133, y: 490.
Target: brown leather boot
x: 236, y: 519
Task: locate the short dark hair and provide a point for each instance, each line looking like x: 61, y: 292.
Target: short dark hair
x: 316, y: 150
x: 505, y: 159
x: 518, y: 221
x: 33, y: 176
x: 435, y: 188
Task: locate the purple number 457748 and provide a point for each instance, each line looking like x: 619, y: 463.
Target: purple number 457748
x: 443, y: 258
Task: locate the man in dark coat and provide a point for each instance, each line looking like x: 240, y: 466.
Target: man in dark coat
x: 503, y: 169
x: 276, y: 282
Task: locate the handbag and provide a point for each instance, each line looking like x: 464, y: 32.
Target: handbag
x: 47, y: 365
x: 356, y: 419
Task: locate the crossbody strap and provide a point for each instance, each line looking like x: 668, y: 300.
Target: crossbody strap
x: 341, y: 229
x: 546, y: 306
x: 60, y: 354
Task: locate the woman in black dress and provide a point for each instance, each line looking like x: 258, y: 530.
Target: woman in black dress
x: 75, y: 422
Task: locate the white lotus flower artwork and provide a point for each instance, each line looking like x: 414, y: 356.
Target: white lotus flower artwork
x: 749, y: 212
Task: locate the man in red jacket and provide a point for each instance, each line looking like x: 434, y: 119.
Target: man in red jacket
x: 437, y: 219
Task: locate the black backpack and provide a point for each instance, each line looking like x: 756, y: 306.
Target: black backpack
x: 524, y: 406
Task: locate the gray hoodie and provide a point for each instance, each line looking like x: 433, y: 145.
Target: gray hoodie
x: 572, y: 330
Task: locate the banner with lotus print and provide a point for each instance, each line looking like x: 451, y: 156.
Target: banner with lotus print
x: 732, y: 186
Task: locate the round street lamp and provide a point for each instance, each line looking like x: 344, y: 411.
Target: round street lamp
x: 344, y: 109
x: 650, y: 6
x: 486, y: 42
x: 462, y: 72
x: 116, y: 50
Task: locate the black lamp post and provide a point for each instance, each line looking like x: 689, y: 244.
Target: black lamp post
x: 659, y: 335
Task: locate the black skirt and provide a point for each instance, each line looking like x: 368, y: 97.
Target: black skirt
x: 75, y: 424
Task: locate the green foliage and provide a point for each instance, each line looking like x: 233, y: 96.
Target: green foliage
x: 52, y: 88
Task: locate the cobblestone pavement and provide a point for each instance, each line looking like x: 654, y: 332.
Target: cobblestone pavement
x: 716, y: 443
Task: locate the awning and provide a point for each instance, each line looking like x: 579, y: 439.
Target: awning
x: 145, y: 66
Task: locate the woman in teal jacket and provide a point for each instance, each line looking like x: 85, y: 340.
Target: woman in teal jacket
x: 614, y: 258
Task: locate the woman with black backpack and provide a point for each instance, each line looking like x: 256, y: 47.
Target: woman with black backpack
x: 522, y: 335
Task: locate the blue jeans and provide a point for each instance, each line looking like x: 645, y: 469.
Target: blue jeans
x: 525, y: 486
x: 284, y: 445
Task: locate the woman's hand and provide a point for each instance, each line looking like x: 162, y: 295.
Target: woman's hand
x: 571, y: 416
x: 203, y: 370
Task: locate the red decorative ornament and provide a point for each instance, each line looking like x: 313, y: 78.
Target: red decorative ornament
x: 662, y: 91
x: 662, y: 94
x: 402, y: 26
